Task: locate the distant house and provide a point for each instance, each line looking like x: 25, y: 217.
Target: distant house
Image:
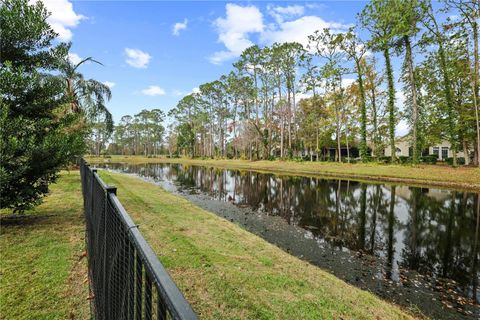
x: 405, y: 193
x: 403, y: 148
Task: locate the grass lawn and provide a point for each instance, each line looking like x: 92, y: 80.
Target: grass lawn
x: 41, y: 273
x: 226, y: 272
x: 422, y: 175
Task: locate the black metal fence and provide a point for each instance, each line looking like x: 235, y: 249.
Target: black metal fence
x: 126, y: 278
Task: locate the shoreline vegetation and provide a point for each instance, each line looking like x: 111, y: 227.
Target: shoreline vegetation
x: 442, y: 176
x: 43, y: 267
x: 226, y: 272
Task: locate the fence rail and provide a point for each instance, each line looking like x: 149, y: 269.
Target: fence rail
x: 126, y: 278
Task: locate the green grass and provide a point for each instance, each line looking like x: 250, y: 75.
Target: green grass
x: 42, y: 274
x: 466, y: 178
x: 226, y: 272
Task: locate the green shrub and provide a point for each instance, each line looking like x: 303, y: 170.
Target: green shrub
x: 384, y: 159
x: 404, y: 159
x: 430, y: 159
x: 460, y: 161
x: 290, y: 154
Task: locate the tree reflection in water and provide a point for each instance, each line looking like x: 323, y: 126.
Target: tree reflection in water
x: 432, y: 231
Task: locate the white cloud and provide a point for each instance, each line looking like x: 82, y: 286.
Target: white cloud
x: 303, y: 95
x: 295, y: 10
x: 346, y: 82
x: 196, y: 90
x: 402, y: 128
x: 179, y: 26
x: 282, y: 13
x: 297, y: 30
x: 137, y: 58
x: 153, y: 91
x: 314, y: 5
x: 109, y: 84
x: 74, y: 58
x: 400, y: 99
x: 454, y: 17
x: 62, y: 17
x: 233, y: 30
x: 221, y: 56
x: 289, y: 26
x: 181, y: 93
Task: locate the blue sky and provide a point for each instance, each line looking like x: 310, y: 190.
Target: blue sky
x: 154, y: 52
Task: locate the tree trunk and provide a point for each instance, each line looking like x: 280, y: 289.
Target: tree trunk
x: 450, y: 107
x: 346, y: 143
x: 439, y: 38
x: 413, y: 87
x: 363, y: 116
x: 212, y: 141
x: 476, y: 157
x: 339, y: 145
x: 391, y: 102
x: 337, y: 122
x: 257, y: 119
x: 465, y: 151
x: 234, y: 131
x: 294, y: 115
x: 282, y: 130
x: 475, y: 83
x: 375, y: 122
x: 289, y: 121
x: 477, y: 120
x: 97, y: 146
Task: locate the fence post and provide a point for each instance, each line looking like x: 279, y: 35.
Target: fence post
x: 91, y: 192
x: 106, y: 300
x: 111, y: 189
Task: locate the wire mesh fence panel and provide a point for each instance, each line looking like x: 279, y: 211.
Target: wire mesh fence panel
x: 126, y: 278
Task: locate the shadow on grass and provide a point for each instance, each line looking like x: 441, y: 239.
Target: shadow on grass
x: 23, y: 219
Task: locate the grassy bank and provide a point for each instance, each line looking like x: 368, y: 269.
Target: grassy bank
x: 42, y: 275
x: 227, y: 272
x: 423, y: 175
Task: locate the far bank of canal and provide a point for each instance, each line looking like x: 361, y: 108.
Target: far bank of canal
x: 417, y: 247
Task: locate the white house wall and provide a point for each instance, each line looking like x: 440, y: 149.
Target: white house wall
x: 404, y: 146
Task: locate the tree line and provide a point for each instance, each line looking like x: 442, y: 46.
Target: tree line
x: 140, y: 134
x: 289, y: 100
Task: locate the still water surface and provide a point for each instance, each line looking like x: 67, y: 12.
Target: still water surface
x: 414, y: 246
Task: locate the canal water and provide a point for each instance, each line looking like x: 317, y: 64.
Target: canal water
x: 417, y: 247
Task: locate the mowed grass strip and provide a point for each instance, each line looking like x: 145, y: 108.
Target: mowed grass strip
x: 467, y: 178
x: 42, y: 272
x: 226, y: 272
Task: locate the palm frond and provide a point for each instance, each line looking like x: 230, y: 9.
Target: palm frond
x: 89, y: 59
